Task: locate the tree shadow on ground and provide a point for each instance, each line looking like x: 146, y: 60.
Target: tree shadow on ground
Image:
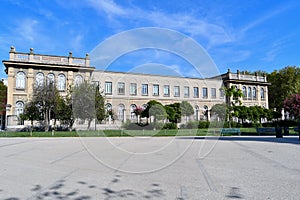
x: 272, y: 139
x: 64, y: 190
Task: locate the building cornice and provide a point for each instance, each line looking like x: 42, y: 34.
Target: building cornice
x: 50, y: 66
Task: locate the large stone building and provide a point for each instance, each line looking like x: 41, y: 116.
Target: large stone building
x: 123, y: 91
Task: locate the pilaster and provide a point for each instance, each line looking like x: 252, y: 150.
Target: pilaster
x: 10, y: 88
x: 30, y: 82
x: 70, y: 82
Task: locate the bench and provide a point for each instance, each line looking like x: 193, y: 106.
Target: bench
x: 230, y: 131
x: 265, y: 130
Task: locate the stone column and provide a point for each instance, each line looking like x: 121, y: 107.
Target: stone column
x: 208, y: 115
x: 31, y: 54
x: 10, y: 89
x: 30, y: 82
x: 12, y: 53
x: 70, y: 81
x: 70, y: 58
x: 267, y: 96
x: 124, y: 115
x: 87, y: 60
x: 258, y: 95
x: 87, y: 76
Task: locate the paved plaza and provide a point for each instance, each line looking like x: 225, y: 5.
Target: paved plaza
x: 150, y: 168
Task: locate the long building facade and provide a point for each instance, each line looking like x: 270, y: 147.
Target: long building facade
x: 124, y: 92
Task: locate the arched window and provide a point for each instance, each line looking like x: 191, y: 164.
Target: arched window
x: 61, y: 82
x: 19, y: 108
x: 254, y: 93
x: 20, y: 80
x: 108, y: 107
x: 244, y: 92
x: 39, y: 79
x: 262, y: 93
x: 121, y: 110
x: 132, y: 109
x: 78, y: 80
x: 50, y: 78
x: 144, y: 106
x: 249, y: 93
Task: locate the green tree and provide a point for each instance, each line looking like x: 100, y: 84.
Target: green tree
x: 44, y: 97
x: 254, y: 114
x: 3, y: 97
x: 155, y: 109
x: 63, y: 110
x: 241, y: 112
x: 173, y: 112
x: 100, y: 105
x: 32, y: 113
x: 186, y: 109
x: 236, y: 94
x: 84, y: 104
x: 283, y: 83
x: 219, y: 110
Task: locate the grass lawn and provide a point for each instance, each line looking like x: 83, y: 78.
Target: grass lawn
x: 132, y: 133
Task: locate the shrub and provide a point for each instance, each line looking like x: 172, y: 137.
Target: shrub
x: 135, y: 126
x: 203, y: 124
x: 287, y: 123
x: 192, y: 125
x: 216, y: 124
x: 170, y: 126
x: 182, y: 126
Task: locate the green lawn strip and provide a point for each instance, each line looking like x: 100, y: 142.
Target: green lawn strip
x: 133, y: 133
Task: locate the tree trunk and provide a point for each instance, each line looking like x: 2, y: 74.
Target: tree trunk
x: 46, y: 121
x: 89, y: 124
x: 31, y: 127
x: 71, y: 122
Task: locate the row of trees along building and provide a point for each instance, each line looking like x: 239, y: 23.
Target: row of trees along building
x: 46, y: 104
x: 83, y: 101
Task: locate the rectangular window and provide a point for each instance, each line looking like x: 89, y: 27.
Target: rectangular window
x: 155, y: 90
x: 196, y: 92
x: 222, y: 93
x: 133, y: 88
x: 121, y: 88
x: 213, y: 93
x: 176, y: 91
x: 186, y: 91
x: 108, y: 87
x: 145, y: 89
x: 166, y: 90
x: 204, y: 92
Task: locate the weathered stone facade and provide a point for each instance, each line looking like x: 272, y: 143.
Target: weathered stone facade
x: 123, y: 91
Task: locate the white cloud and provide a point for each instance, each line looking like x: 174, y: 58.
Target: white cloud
x: 108, y: 6
x: 27, y: 29
x: 215, y: 34
x: 155, y: 38
x: 264, y: 18
x: 275, y: 49
x: 76, y: 42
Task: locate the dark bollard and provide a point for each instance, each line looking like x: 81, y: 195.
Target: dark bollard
x: 278, y: 132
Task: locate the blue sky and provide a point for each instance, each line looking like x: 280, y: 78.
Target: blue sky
x: 245, y: 35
